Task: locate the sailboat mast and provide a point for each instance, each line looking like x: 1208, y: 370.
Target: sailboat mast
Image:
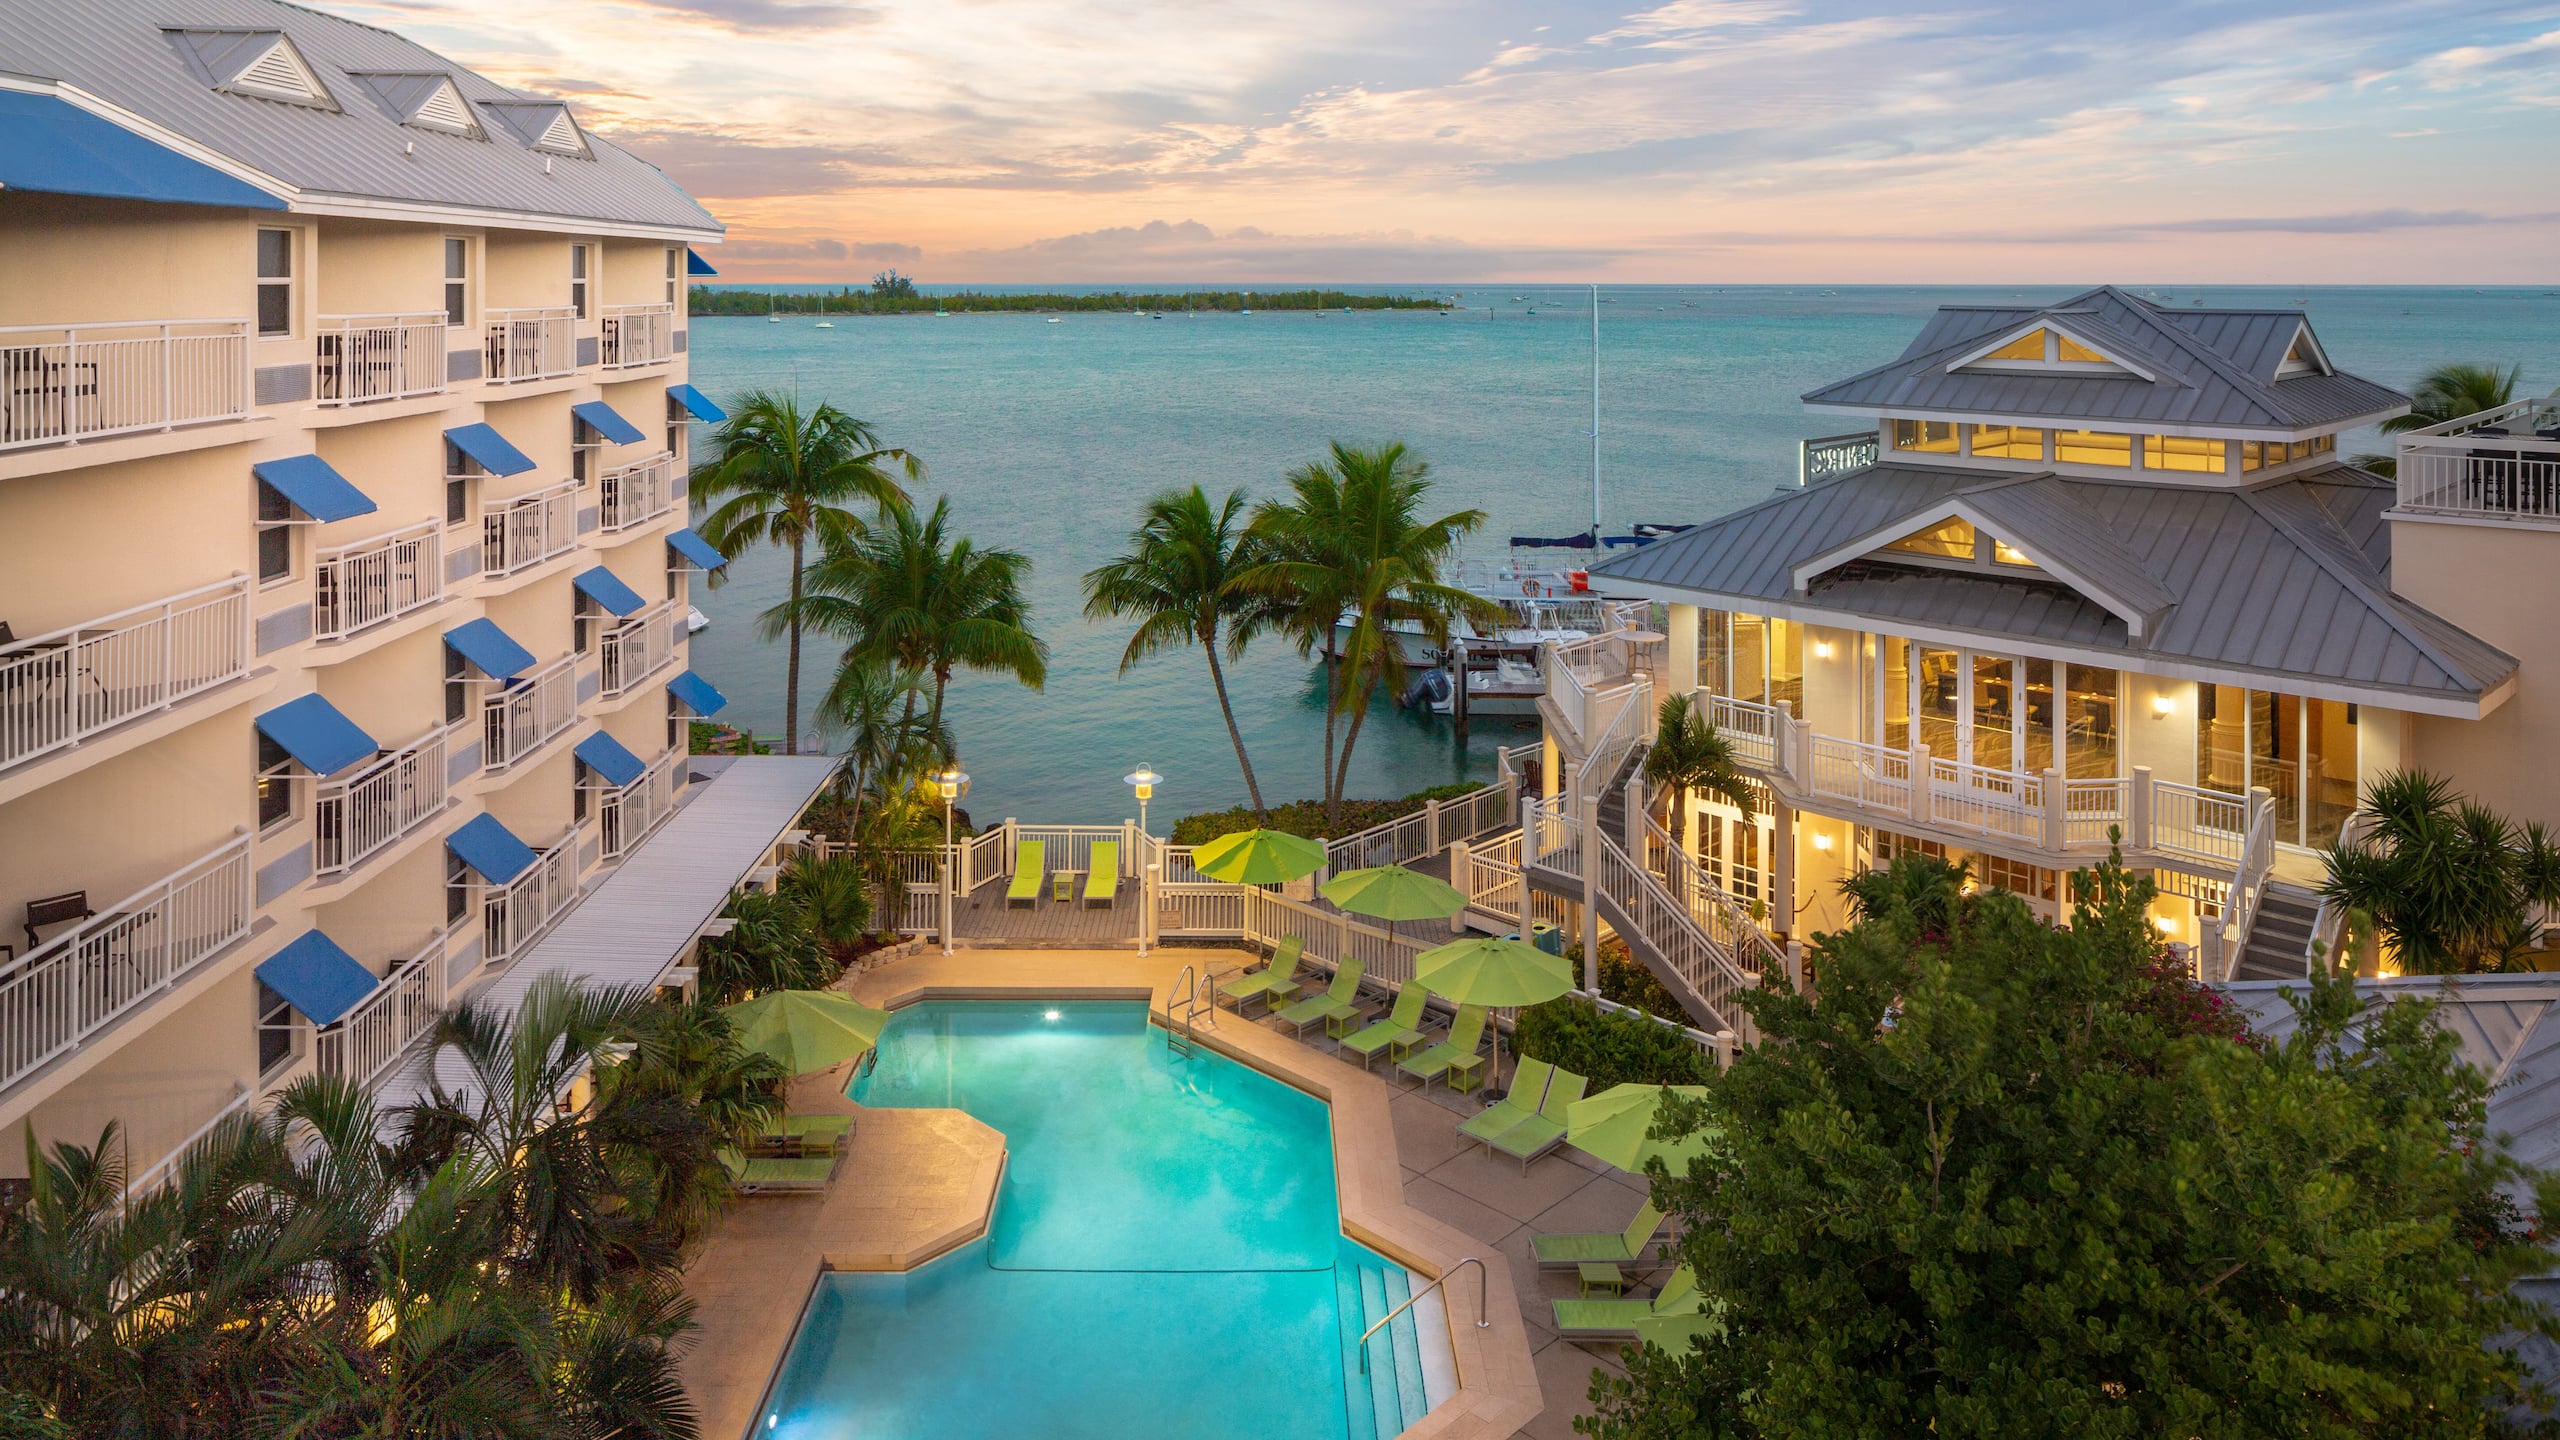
x: 1595, y: 414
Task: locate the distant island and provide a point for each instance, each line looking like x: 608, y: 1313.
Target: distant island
x: 876, y: 301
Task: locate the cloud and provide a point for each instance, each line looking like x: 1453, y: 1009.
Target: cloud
x: 2370, y: 222
x: 888, y: 250
x: 1189, y: 250
x: 750, y: 251
x: 765, y: 15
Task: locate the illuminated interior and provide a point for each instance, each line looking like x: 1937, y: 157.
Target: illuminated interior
x: 1949, y: 539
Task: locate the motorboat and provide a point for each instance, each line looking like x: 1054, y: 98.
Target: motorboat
x: 695, y: 621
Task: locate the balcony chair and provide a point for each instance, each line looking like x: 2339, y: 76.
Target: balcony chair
x: 64, y: 909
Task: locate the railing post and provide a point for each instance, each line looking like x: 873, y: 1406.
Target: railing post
x: 1462, y: 879
x: 2137, y: 810
x: 1151, y: 896
x: 948, y: 854
x: 1634, y: 818
x: 1590, y: 893
x: 2057, y: 812
x: 1528, y: 832
x: 1920, y: 771
x: 1431, y: 825
x: 168, y: 380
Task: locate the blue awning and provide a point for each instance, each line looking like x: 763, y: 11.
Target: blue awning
x: 493, y: 451
x: 318, y: 734
x: 495, y: 651
x: 696, y: 403
x: 49, y: 144
x: 316, y: 489
x: 317, y: 977
x: 696, y: 549
x: 696, y: 694
x: 694, y: 264
x: 607, y: 422
x: 609, y: 758
x: 491, y: 850
x: 606, y: 589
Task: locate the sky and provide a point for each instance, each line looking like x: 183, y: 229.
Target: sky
x: 1706, y: 141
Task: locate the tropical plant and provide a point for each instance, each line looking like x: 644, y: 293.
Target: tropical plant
x: 1611, y: 1047
x: 1928, y: 889
x: 1690, y: 754
x: 1178, y: 577
x: 907, y: 595
x: 771, y: 945
x: 833, y: 901
x: 2448, y: 392
x: 873, y: 708
x: 784, y: 476
x: 1349, y: 547
x: 2451, y: 886
x: 1983, y: 1183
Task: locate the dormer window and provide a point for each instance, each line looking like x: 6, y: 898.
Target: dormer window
x: 2093, y: 447
x: 2007, y: 442
x: 429, y: 101
x: 2303, y: 356
x: 1950, y: 539
x: 1934, y: 437
x: 544, y: 125
x: 2004, y: 553
x: 261, y: 63
x: 2193, y: 453
x: 2048, y: 347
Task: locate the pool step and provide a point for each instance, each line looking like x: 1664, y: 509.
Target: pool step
x: 1408, y: 1364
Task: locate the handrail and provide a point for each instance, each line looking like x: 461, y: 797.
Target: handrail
x: 151, y: 1179
x: 1481, y: 1322
x: 2329, y: 921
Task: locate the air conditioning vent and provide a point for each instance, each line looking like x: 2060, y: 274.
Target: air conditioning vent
x: 429, y: 100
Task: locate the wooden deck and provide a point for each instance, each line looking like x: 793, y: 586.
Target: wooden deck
x: 983, y: 918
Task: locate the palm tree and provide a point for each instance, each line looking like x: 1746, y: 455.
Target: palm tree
x: 788, y: 476
x: 2448, y: 392
x: 1349, y: 545
x: 1178, y: 577
x: 2451, y: 886
x: 907, y: 595
x: 883, y: 742
x: 1689, y: 753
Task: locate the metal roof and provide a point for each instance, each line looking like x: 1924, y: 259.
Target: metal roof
x: 2214, y: 368
x: 2275, y: 584
x: 136, y: 59
x: 633, y: 926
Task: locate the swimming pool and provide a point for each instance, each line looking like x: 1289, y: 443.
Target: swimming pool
x: 1165, y: 1259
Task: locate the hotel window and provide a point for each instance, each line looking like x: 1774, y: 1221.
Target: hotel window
x: 2093, y: 447
x: 675, y: 273
x: 2066, y: 348
x: 1949, y: 539
x: 2029, y: 346
x: 578, y: 279
x: 2032, y: 882
x: 275, y: 535
x: 2090, y: 716
x: 457, y: 279
x: 275, y: 282
x: 2007, y: 554
x: 457, y: 889
x: 276, y: 1029
x: 459, y: 471
x: 2253, y: 455
x: 2200, y: 454
x: 2007, y: 442
x: 583, y: 444
x: 457, y: 686
x: 1936, y: 437
x: 275, y: 783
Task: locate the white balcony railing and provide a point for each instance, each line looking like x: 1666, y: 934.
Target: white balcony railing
x: 358, y: 586
x: 529, y: 344
x: 1874, y: 776
x: 528, y: 713
x: 368, y: 1039
x: 69, y: 988
x: 357, y: 816
x: 1750, y: 727
x: 59, y: 688
x: 637, y: 493
x: 2499, y: 464
x: 512, y: 916
x: 2199, y: 824
x: 625, y: 817
x: 356, y: 358
x: 640, y: 648
x: 637, y: 335
x: 528, y: 529
x: 67, y: 383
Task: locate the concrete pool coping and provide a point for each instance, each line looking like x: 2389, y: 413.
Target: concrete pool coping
x: 923, y: 1188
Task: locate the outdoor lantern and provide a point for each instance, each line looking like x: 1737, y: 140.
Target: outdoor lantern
x: 948, y: 784
x: 1144, y: 781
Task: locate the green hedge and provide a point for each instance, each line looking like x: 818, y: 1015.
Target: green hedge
x: 1610, y: 1049
x: 1306, y: 817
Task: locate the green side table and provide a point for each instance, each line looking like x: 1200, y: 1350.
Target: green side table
x: 1602, y: 1276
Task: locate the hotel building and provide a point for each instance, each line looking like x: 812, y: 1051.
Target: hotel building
x: 343, y: 445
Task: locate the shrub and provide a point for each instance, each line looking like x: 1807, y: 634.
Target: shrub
x: 772, y: 947
x: 1611, y: 1049
x: 1306, y: 817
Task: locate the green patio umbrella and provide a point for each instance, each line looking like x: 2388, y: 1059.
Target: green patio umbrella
x: 1614, y: 1126
x: 1484, y: 970
x: 1392, y: 893
x: 807, y: 1030
x: 1258, y: 857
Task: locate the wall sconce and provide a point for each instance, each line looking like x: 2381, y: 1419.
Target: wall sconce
x: 2168, y: 925
x: 1821, y: 841
x: 2162, y: 707
x: 1821, y: 649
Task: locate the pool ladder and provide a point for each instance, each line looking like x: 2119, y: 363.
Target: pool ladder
x: 1483, y: 1320
x: 1183, y: 1003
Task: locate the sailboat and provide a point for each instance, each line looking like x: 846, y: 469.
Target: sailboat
x: 772, y: 314
x: 823, y: 323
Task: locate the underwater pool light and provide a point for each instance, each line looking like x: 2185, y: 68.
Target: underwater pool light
x: 1052, y: 1015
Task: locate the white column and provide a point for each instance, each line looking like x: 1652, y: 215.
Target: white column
x: 1682, y: 668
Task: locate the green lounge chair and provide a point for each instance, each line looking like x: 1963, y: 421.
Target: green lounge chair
x: 762, y: 1177
x: 1029, y: 869
x: 1616, y: 1319
x: 1453, y: 1056
x: 1399, y: 1032
x: 1564, y: 1252
x: 1336, y: 1003
x: 1543, y: 1131
x: 816, y: 1133
x: 1102, y: 882
x: 1274, y: 982
x: 1528, y: 1086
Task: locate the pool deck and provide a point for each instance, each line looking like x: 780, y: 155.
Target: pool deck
x: 919, y: 1182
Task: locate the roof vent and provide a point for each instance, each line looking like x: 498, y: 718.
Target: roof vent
x: 542, y: 125
x: 428, y: 100
x: 262, y: 63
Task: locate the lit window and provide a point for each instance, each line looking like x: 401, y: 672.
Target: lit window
x: 2008, y: 554
x: 2029, y: 346
x: 2254, y: 455
x: 2319, y: 445
x: 2066, y: 348
x: 1949, y: 539
x: 2093, y: 447
x: 275, y: 282
x: 2007, y: 442
x: 2186, y: 452
x: 1936, y: 437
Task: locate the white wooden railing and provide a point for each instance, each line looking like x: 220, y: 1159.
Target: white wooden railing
x: 528, y: 529
x: 148, y: 1181
x: 528, y: 713
x: 1751, y: 728
x: 625, y: 817
x: 1834, y: 455
x: 2498, y: 464
x: 356, y: 816
x: 2003, y: 804
x: 1861, y: 773
x: 1671, y: 930
x: 639, y: 648
x: 2225, y: 943
x: 367, y: 1040
x: 60, y: 687
x: 531, y: 343
x: 1726, y: 920
x: 637, y: 335
x: 2198, y: 824
x: 357, y: 358
x: 357, y: 586
x: 512, y: 916
x: 67, y: 383
x: 638, y: 493
x: 72, y: 986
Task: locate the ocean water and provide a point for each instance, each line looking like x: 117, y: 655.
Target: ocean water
x: 1048, y: 437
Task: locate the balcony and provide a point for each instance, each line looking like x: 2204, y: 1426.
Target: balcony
x: 113, y: 963
x: 362, y: 358
x: 625, y: 817
x: 60, y: 688
x: 638, y: 493
x: 61, y: 384
x: 529, y: 344
x: 356, y: 587
x: 2501, y: 464
x: 369, y: 1039
x: 529, y: 713
x: 638, y: 335
x: 644, y: 645
x: 528, y: 529
x: 360, y: 816
x: 511, y: 917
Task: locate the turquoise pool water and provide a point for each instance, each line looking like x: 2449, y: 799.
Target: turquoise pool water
x: 1166, y: 1257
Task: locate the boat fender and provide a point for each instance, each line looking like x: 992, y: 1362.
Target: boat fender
x: 1529, y: 588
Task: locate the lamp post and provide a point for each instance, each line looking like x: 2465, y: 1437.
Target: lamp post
x: 947, y: 785
x: 1144, y: 781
